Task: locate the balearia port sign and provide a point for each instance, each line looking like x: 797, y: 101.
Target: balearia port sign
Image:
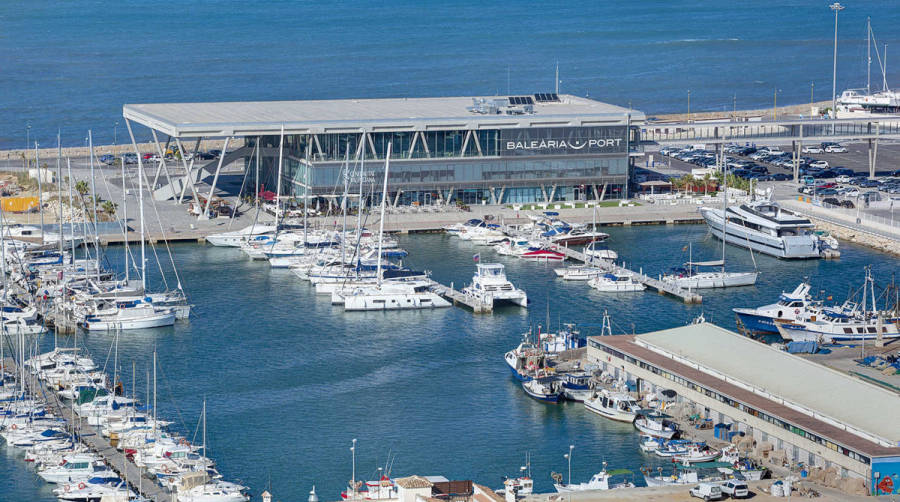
x: 562, y: 141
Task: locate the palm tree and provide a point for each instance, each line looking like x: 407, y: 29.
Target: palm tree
x: 706, y: 179
x: 82, y: 188
x: 109, y: 207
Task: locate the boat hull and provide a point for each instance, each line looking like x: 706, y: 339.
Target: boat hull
x: 799, y: 247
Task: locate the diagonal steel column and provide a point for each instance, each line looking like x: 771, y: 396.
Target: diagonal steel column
x: 188, y: 179
x: 215, y: 178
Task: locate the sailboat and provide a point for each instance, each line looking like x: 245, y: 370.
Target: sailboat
x: 692, y: 277
x: 390, y: 295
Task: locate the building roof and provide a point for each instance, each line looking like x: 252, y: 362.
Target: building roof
x: 354, y: 115
x: 774, y: 373
x: 413, y: 481
x: 781, y: 409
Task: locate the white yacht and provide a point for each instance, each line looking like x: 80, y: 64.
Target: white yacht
x: 615, y: 283
x: 390, y: 295
x: 577, y: 273
x: 766, y: 227
x: 238, y: 237
x: 140, y: 316
x: 490, y: 283
x: 614, y: 405
x: 790, y: 307
x: 599, y: 250
x: 692, y: 277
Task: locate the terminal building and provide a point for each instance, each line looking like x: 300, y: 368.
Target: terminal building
x: 815, y: 415
x: 473, y: 150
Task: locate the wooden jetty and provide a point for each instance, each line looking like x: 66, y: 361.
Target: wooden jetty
x: 477, y: 305
x: 138, y: 480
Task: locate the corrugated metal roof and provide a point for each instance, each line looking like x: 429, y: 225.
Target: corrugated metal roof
x: 345, y: 115
x: 794, y: 379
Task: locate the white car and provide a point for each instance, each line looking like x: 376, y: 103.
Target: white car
x: 851, y: 192
x: 821, y: 164
x: 736, y: 489
x: 835, y: 149
x: 707, y: 491
x: 813, y: 149
x: 842, y: 179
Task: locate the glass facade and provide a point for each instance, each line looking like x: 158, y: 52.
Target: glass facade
x: 471, y: 166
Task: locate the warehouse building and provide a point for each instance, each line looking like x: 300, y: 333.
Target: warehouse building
x: 815, y: 415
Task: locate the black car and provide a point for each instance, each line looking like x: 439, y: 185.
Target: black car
x: 204, y: 156
x: 832, y: 201
x: 826, y: 191
x: 848, y: 204
x: 781, y: 177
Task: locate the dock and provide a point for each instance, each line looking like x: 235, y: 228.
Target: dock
x: 456, y: 297
x: 687, y: 296
x: 137, y: 479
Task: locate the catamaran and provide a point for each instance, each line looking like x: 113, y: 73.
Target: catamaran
x: 490, y: 284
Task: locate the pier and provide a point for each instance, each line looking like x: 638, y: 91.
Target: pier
x: 136, y: 478
x: 477, y: 305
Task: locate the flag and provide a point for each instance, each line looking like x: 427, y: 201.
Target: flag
x: 476, y: 257
x: 684, y: 249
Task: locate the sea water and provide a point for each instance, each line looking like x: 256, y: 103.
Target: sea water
x: 290, y: 380
x: 70, y: 66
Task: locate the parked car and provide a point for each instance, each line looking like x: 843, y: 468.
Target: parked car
x: 842, y: 179
x: 835, y: 149
x: 781, y: 177
x: 808, y: 180
x: 736, y: 489
x: 832, y: 201
x: 851, y: 192
x: 205, y: 156
x: 130, y: 158
x: 821, y: 164
x: 846, y: 171
x: 707, y: 491
x: 848, y: 204
x: 868, y: 183
x: 826, y: 191
x: 813, y: 149
x: 108, y: 159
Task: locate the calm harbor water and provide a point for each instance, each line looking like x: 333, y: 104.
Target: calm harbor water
x: 71, y: 65
x: 290, y: 380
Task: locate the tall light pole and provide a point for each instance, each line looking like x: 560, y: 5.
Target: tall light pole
x: 689, y: 105
x: 812, y: 91
x: 569, y: 458
x: 27, y: 134
x: 836, y: 7
x: 116, y: 133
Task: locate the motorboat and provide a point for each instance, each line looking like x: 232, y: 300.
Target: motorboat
x: 577, y: 237
x: 656, y: 425
x: 617, y: 406
x: 649, y: 444
x: 599, y: 481
x: 542, y: 255
x: 391, y: 295
x: 578, y: 273
x: 543, y: 389
x: 576, y: 386
x: 524, y: 360
x: 692, y: 277
x: 765, y: 227
x: 599, y: 250
x: 613, y: 282
x: 237, y: 237
x: 94, y: 491
x: 490, y: 284
x: 789, y: 307
x: 697, y: 453
x: 198, y: 487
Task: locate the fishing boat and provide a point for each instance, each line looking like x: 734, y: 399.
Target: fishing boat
x: 789, y: 307
x: 765, y: 227
x: 612, y: 282
x: 613, y: 405
x: 490, y: 284
x: 524, y: 360
x: 697, y: 453
x: 576, y: 386
x: 599, y: 481
x: 543, y: 389
x: 656, y: 425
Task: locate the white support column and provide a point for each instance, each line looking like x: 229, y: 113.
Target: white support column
x: 188, y: 175
x: 371, y: 143
x: 874, y: 146
x: 603, y: 192
x: 462, y: 152
x: 318, y: 146
x: 544, y: 193
x: 502, y: 193
x: 396, y: 198
x: 552, y: 194
x: 425, y: 144
x: 477, y: 144
x: 162, y: 162
x: 596, y: 193
x: 412, y: 146
x: 212, y: 189
x: 493, y: 195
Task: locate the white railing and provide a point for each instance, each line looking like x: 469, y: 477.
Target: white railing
x: 861, y: 215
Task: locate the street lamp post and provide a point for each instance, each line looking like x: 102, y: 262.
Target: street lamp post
x: 812, y: 90
x: 689, y: 106
x: 353, y: 477
x: 27, y: 135
x: 116, y: 133
x: 569, y: 458
x: 836, y: 7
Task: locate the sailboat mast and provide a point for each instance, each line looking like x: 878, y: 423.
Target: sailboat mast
x: 94, y: 199
x: 345, y: 204
x: 71, y: 207
x: 204, y: 427
x: 59, y: 220
x: 154, y: 393
x: 869, y: 55
x: 278, y: 181
x: 306, y: 198
x: 125, y: 216
x: 141, y: 212
x: 725, y: 208
x: 384, y: 194
x: 37, y: 165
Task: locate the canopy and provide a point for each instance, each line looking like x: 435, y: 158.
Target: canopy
x: 706, y: 465
x: 616, y: 472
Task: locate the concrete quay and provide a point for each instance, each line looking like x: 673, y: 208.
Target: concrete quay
x: 843, y: 224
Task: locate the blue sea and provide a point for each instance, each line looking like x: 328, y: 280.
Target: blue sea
x: 70, y: 66
x: 290, y: 379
